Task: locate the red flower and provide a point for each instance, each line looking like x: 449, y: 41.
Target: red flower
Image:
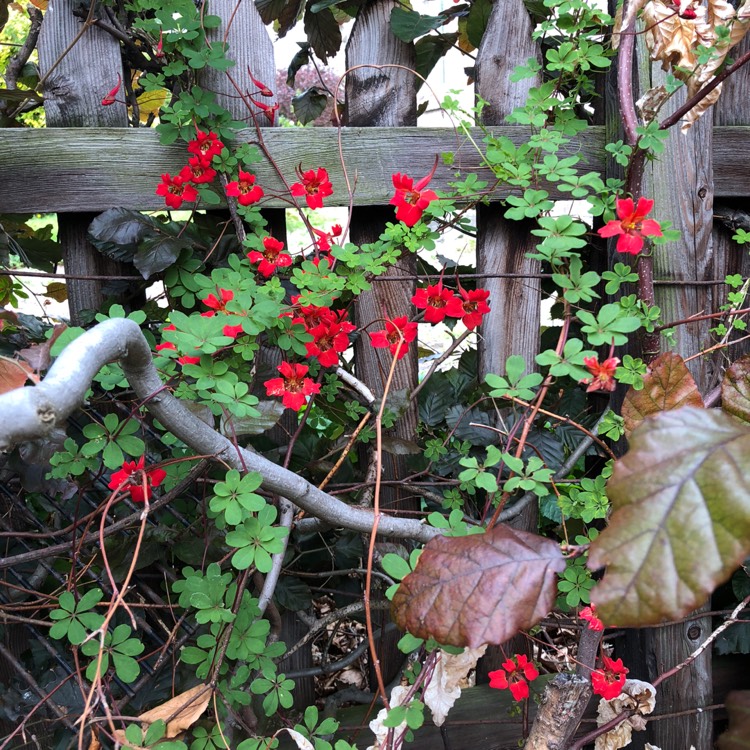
x: 609, y: 680
x: 268, y: 110
x: 396, y: 336
x: 603, y: 374
x: 271, y: 258
x: 326, y: 238
x: 410, y: 199
x: 631, y: 225
x: 218, y: 305
x: 206, y: 145
x: 314, y: 186
x: 198, y: 171
x: 188, y: 360
x: 132, y: 473
x: 514, y: 676
x: 589, y: 614
x: 166, y: 345
x: 475, y: 306
x: 329, y: 340
x: 437, y: 302
x: 176, y: 190
x: 232, y: 331
x: 244, y: 189
x: 110, y: 97
x: 263, y: 90
x: 293, y: 386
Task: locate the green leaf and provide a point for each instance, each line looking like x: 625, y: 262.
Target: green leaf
x: 309, y: 105
x: 407, y: 25
x: 323, y: 33
x: 157, y: 253
x: 117, y: 232
x: 301, y: 59
x: 429, y: 50
x: 479, y: 15
x: 681, y: 517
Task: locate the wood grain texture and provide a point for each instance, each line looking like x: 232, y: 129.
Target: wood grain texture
x: 681, y: 183
x: 80, y: 65
x: 72, y: 169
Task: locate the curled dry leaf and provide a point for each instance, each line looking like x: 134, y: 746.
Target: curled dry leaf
x: 668, y: 544
x: 450, y: 674
x: 398, y: 698
x: 38, y: 355
x: 179, y: 713
x: 667, y: 385
x: 636, y: 696
x: 484, y: 588
x: 14, y: 373
x: 299, y: 739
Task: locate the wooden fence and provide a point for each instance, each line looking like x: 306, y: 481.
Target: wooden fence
x: 87, y: 161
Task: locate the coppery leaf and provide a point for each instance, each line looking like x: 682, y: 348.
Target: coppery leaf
x: 735, y: 389
x: 38, y: 355
x: 478, y: 589
x: 667, y: 385
x: 13, y: 374
x: 57, y: 291
x: 681, y: 517
x: 737, y: 737
x: 181, y: 712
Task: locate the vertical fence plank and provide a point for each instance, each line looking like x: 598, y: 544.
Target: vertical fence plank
x: 383, y: 97
x: 512, y: 327
x: 78, y: 70
x: 680, y: 181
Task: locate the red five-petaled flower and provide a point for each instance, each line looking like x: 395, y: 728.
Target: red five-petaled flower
x: 271, y: 258
x: 218, y: 305
x: 293, y: 386
x: 176, y: 190
x: 475, y: 306
x: 608, y: 681
x: 437, y: 302
x: 206, y: 145
x: 396, y: 336
x: 589, y: 614
x: 198, y: 171
x: 326, y: 238
x: 244, y: 189
x: 132, y: 474
x: 603, y: 374
x: 631, y: 225
x: 410, y: 199
x: 314, y: 186
x: 329, y: 340
x: 515, y: 676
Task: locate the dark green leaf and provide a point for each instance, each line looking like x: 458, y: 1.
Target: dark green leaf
x: 476, y: 23
x: 407, y: 25
x: 309, y: 104
x: 681, y: 517
x: 429, y: 50
x: 301, y: 59
x: 157, y: 253
x: 117, y: 232
x: 323, y: 33
x: 293, y: 594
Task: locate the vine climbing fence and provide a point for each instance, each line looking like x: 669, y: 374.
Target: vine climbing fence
x: 88, y: 160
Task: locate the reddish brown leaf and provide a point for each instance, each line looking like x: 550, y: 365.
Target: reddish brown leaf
x: 471, y: 590
x: 38, y: 355
x: 737, y: 737
x: 667, y: 385
x: 735, y: 389
x: 13, y: 374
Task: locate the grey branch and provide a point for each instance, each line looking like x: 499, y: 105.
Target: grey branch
x: 33, y: 412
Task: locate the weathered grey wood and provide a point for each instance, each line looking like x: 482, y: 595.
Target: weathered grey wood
x: 381, y: 96
x: 681, y: 184
x: 80, y: 65
x: 75, y: 169
x: 513, y: 323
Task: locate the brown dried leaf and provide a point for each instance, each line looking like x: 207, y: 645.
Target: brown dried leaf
x: 57, y: 291
x: 735, y: 389
x: 737, y: 737
x: 672, y: 39
x: 38, y: 355
x: 181, y: 712
x: 472, y: 590
x: 449, y: 676
x: 667, y: 385
x: 13, y: 374
x: 633, y: 9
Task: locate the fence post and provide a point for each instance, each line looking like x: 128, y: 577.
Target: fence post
x: 680, y: 181
x: 80, y: 64
x: 512, y: 326
x: 383, y: 97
